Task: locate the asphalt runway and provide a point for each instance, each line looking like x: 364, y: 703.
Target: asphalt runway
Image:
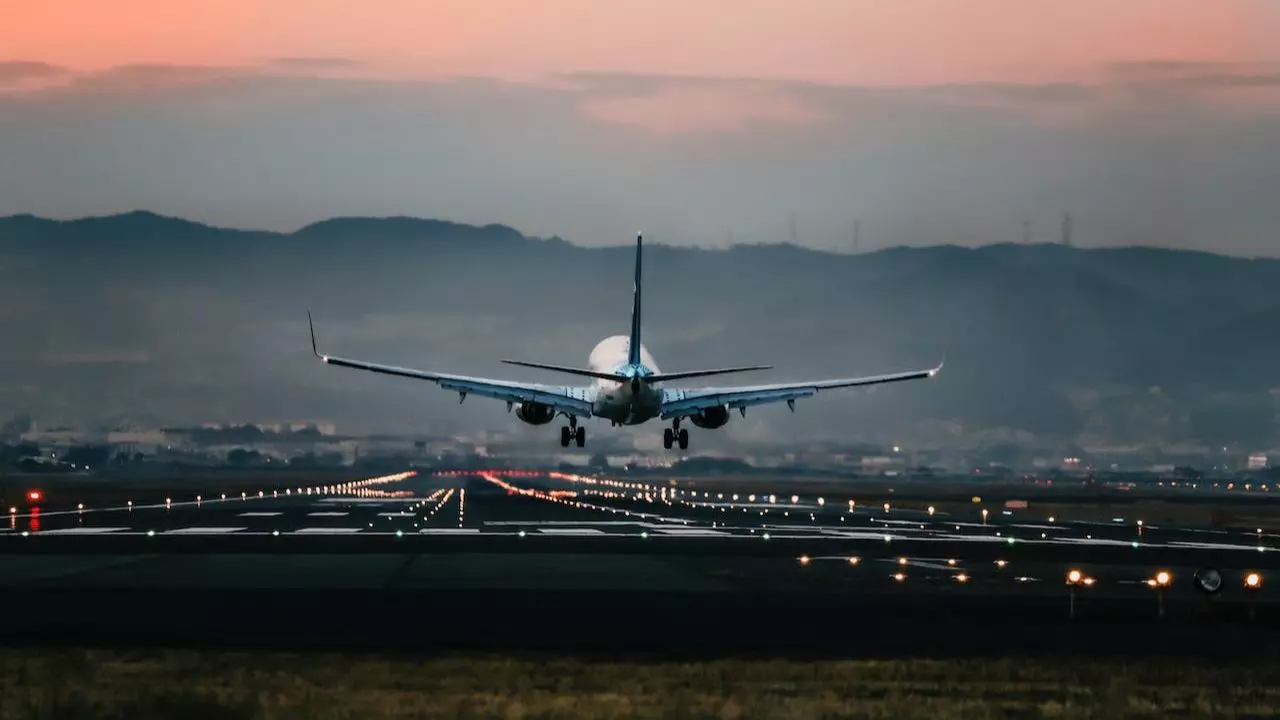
x: 553, y: 561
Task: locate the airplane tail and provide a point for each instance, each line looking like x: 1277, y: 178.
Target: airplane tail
x: 633, y: 344
x: 633, y: 347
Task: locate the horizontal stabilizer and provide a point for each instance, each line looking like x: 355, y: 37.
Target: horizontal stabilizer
x: 660, y: 377
x: 583, y: 372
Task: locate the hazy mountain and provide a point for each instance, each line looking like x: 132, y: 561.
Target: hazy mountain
x: 142, y: 316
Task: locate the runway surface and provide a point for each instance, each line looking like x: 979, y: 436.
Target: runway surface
x: 496, y: 551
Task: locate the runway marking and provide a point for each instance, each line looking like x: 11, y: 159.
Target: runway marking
x: 571, y: 531
x: 261, y: 514
x: 916, y: 563
x: 203, y: 530
x: 328, y: 514
x: 864, y: 535
x: 1096, y: 541
x: 397, y: 514
x: 1214, y: 546
x: 326, y: 531
x: 453, y: 531
x: 82, y: 531
x: 690, y: 531
x: 370, y: 501
x: 916, y: 523
x: 971, y: 538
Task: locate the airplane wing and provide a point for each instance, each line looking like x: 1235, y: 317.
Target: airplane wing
x: 570, y: 400
x: 681, y: 403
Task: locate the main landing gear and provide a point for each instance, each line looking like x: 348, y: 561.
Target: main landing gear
x: 573, y: 432
x: 674, y: 434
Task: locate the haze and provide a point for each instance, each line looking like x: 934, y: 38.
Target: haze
x: 1155, y: 122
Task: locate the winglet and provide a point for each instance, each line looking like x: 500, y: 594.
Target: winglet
x: 938, y: 369
x: 312, y: 327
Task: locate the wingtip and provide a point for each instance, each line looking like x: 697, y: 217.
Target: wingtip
x: 312, y: 327
x: 938, y: 369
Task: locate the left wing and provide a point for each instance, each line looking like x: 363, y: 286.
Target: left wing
x: 575, y: 401
x: 680, y: 403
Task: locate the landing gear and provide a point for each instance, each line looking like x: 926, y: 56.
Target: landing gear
x: 674, y: 435
x: 573, y: 432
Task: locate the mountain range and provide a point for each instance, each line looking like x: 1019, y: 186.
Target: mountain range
x: 143, y: 319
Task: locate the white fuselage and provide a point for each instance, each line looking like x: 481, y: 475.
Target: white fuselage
x: 616, y: 401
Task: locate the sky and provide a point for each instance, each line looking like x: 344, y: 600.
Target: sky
x: 1152, y: 122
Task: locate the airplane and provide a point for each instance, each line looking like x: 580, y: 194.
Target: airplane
x: 627, y: 387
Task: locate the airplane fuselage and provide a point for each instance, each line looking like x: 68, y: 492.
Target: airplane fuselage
x: 628, y: 402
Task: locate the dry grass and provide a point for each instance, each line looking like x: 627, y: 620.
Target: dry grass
x: 191, y: 685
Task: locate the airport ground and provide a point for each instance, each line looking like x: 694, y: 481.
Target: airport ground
x: 599, y: 595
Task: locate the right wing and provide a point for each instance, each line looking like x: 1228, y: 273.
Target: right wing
x: 575, y: 401
x: 682, y: 403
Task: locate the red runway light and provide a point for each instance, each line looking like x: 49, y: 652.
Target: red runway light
x: 35, y: 495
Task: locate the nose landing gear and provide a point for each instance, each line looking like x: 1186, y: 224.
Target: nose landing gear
x: 573, y: 432
x: 675, y: 435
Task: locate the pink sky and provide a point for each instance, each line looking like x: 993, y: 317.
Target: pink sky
x: 841, y: 41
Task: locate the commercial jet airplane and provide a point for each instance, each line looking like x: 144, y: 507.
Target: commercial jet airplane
x: 627, y: 387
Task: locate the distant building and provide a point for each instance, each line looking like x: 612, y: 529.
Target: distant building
x: 1257, y: 462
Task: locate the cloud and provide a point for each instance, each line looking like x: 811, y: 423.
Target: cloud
x: 1147, y: 158
x: 17, y: 74
x: 315, y: 64
x: 702, y: 107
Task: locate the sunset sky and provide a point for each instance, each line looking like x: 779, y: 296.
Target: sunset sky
x: 928, y: 120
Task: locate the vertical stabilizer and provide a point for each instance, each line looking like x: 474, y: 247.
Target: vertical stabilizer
x: 633, y: 346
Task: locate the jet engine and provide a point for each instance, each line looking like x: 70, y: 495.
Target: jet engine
x: 535, y: 413
x: 711, y: 418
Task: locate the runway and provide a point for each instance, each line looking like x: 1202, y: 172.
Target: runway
x: 495, y: 550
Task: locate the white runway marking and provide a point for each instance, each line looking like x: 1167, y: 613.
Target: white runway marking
x: 571, y: 531
x: 972, y: 538
x: 864, y: 535
x: 328, y: 514
x: 260, y: 514
x: 1096, y: 541
x: 689, y: 531
x: 568, y: 522
x: 451, y: 531
x: 397, y: 514
x: 917, y: 563
x: 204, y: 530
x: 83, y: 531
x: 326, y: 531
x: 1214, y: 546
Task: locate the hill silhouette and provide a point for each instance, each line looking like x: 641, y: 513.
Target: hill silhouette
x: 142, y: 316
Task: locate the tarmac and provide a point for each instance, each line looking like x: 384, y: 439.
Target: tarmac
x: 547, y: 561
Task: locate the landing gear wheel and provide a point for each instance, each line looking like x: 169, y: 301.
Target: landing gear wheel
x: 684, y: 439
x: 668, y: 437
x: 1208, y: 580
x: 564, y: 436
x: 580, y: 436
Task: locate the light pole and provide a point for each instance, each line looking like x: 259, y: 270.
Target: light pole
x: 1160, y: 582
x: 1075, y: 579
x: 1252, y: 584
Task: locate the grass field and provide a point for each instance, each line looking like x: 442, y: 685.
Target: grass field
x: 195, y: 685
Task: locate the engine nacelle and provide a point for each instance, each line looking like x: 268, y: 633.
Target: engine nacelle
x: 535, y: 413
x: 711, y: 418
